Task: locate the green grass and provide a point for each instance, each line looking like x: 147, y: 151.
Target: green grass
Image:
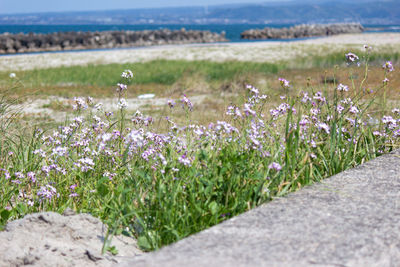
x: 159, y: 72
x: 168, y: 72
x: 332, y: 59
x: 162, y: 75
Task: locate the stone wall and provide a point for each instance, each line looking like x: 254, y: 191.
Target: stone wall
x: 22, y: 43
x: 302, y: 31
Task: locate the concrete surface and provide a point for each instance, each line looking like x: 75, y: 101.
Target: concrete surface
x: 350, y: 219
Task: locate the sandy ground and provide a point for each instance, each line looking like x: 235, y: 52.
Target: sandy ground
x: 38, y: 106
x: 266, y: 51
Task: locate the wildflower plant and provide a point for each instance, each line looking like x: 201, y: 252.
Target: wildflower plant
x: 162, y: 186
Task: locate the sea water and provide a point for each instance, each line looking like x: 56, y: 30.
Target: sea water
x: 232, y: 31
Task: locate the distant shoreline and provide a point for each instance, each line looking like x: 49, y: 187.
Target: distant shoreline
x: 232, y: 30
x: 67, y: 41
x: 212, y: 44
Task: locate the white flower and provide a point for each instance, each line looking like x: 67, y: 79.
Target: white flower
x: 12, y: 75
x: 342, y: 88
x: 352, y: 57
x: 122, y: 104
x: 98, y: 106
x: 354, y: 110
x: 80, y: 104
x: 324, y: 127
x: 127, y: 74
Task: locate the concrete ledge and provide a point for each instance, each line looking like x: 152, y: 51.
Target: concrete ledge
x: 350, y: 219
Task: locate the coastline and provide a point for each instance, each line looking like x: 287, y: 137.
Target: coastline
x: 260, y: 51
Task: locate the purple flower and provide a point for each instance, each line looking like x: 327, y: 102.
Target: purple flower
x: 324, y: 127
x: 275, y: 166
x: 32, y: 176
x: 186, y: 102
x: 319, y: 97
x: 388, y: 66
x: 351, y: 57
x: 85, y: 164
x: 121, y: 87
x: 339, y: 109
x: 109, y: 175
x: 315, y: 111
x: 135, y: 137
x: 122, y: 104
x: 390, y: 122
x: 305, y: 97
x: 248, y: 111
x: 253, y: 90
x: 304, y: 121
x: 6, y: 174
x: 284, y: 83
x: 60, y: 151
x: 385, y: 81
x: 47, y: 192
x: 185, y: 160
x: 80, y: 104
x: 234, y: 111
x: 171, y: 103
x: 226, y: 127
x: 354, y: 110
x: 19, y: 175
x: 72, y: 187
x: 396, y: 111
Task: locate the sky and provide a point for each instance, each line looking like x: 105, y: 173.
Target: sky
x: 32, y: 6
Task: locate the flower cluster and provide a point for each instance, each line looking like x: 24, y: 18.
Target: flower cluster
x: 96, y: 152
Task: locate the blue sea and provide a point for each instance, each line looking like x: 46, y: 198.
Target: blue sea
x: 232, y: 30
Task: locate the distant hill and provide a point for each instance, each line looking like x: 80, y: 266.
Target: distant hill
x: 377, y: 12
x: 308, y: 11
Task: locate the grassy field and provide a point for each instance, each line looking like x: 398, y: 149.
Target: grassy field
x: 162, y: 75
x: 220, y: 83
x: 161, y: 179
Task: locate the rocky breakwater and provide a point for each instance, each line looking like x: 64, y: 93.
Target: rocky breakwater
x: 32, y: 42
x: 302, y: 31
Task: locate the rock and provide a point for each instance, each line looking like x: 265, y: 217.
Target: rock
x: 302, y: 31
x: 14, y: 43
x: 51, y: 239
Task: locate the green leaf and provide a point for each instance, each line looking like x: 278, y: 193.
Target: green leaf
x: 213, y: 207
x: 22, y: 209
x: 102, y: 188
x: 5, y: 214
x: 113, y: 250
x: 144, y: 243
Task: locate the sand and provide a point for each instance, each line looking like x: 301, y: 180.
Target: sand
x: 52, y: 239
x: 265, y: 51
